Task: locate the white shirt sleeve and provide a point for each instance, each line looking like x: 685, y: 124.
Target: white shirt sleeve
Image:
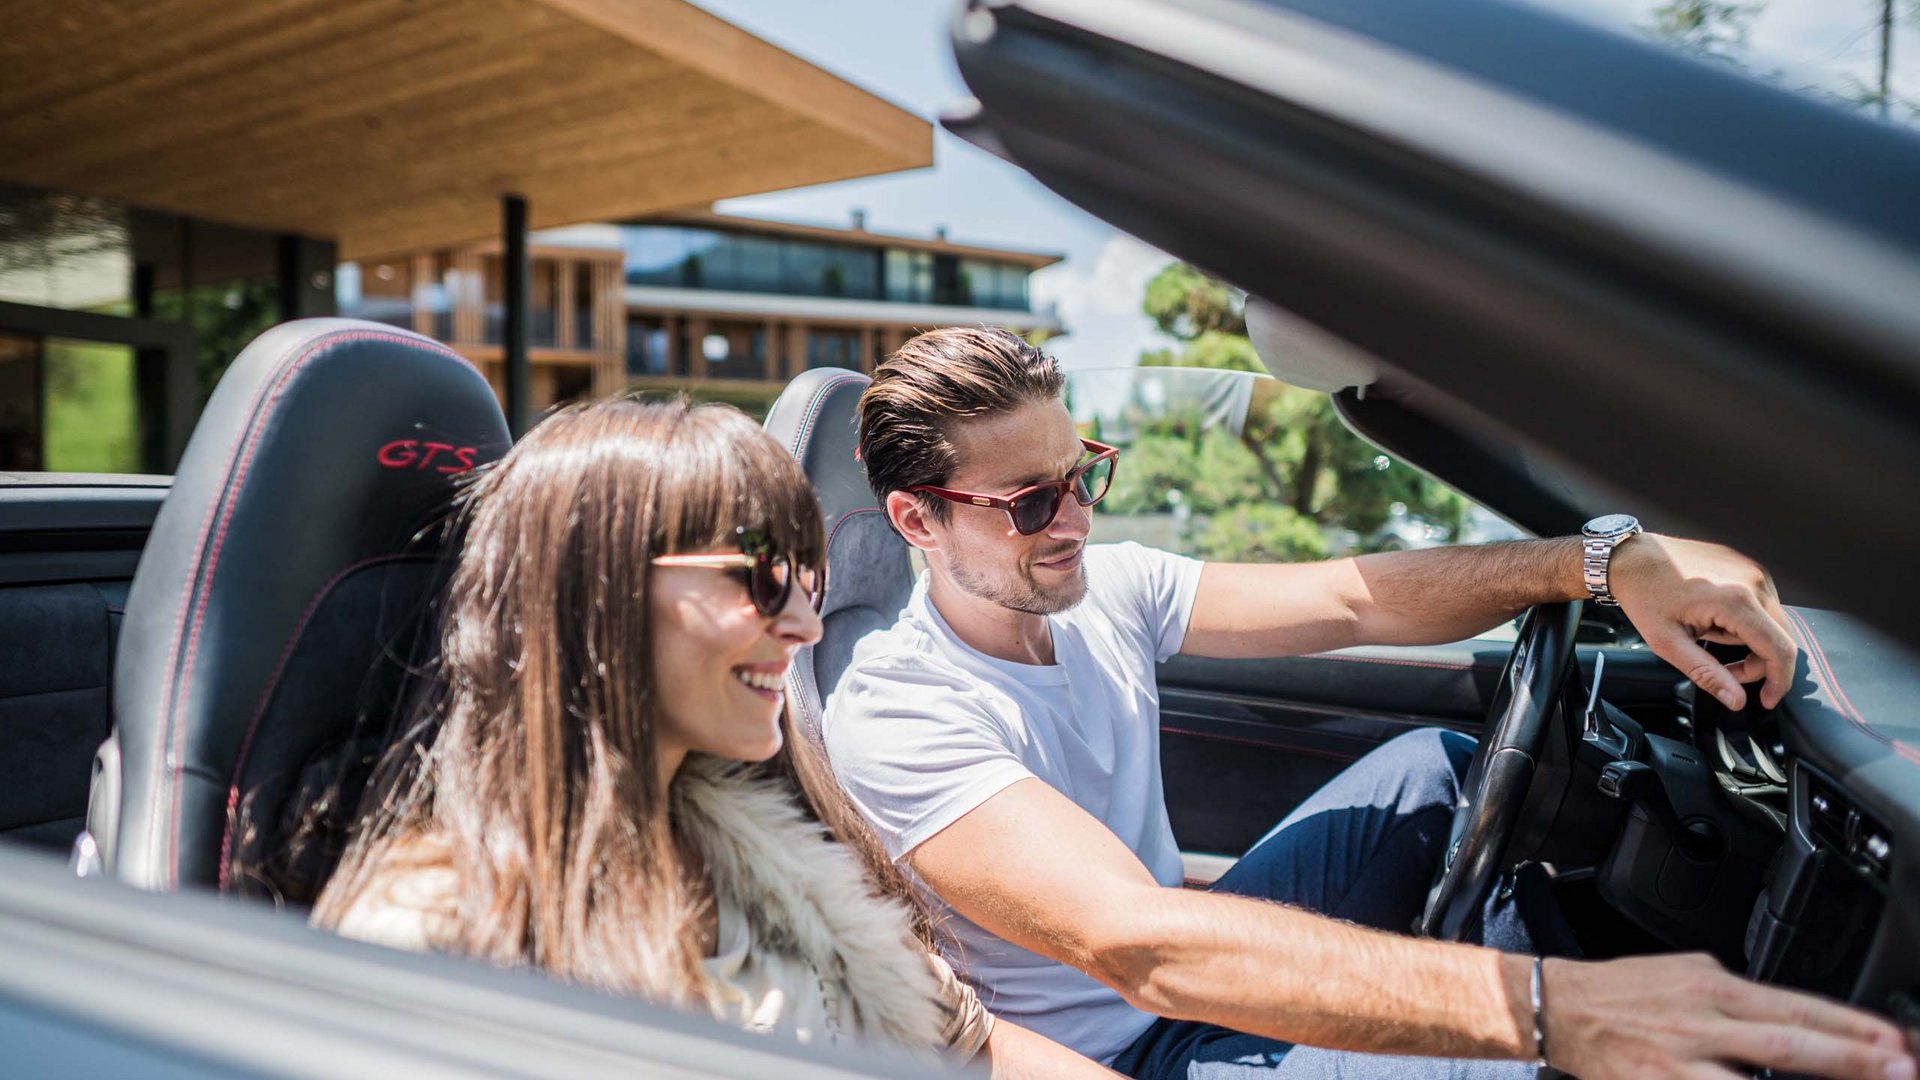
x: 1157, y: 587
x: 916, y: 746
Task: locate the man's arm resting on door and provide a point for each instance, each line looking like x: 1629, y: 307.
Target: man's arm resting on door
x: 1033, y: 868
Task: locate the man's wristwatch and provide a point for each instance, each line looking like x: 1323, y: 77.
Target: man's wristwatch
x: 1598, y: 538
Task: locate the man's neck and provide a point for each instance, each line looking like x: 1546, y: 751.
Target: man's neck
x: 1000, y: 632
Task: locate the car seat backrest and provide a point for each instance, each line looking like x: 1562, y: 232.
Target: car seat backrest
x: 283, y: 599
x: 869, y: 572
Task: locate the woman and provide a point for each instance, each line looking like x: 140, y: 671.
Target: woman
x: 605, y: 782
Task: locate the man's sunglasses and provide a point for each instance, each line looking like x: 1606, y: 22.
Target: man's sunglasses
x: 769, y: 578
x: 1032, y: 509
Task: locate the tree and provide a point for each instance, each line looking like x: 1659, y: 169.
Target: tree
x: 1715, y: 28
x: 1292, y: 474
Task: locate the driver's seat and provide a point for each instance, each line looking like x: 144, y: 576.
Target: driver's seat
x: 282, y: 600
x: 869, y: 573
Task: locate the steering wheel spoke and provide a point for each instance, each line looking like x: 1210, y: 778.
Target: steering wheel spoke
x: 1494, y: 794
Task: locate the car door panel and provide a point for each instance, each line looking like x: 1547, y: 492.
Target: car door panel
x: 1245, y: 741
x: 67, y: 552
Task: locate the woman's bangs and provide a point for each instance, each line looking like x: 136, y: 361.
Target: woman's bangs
x: 736, y: 476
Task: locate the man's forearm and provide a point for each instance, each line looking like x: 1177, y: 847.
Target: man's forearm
x: 1287, y: 974
x: 1437, y: 595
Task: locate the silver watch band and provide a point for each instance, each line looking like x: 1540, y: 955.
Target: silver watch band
x: 1597, y: 541
x: 1597, y: 557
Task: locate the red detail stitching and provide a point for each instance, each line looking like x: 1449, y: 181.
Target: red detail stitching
x: 1270, y: 745
x: 273, y: 683
x: 1434, y: 664
x: 1441, y: 666
x: 842, y: 520
x: 169, y: 736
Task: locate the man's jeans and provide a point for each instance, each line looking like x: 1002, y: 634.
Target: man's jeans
x: 1362, y: 849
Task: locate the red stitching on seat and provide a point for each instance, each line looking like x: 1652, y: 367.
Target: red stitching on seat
x: 171, y: 734
x: 842, y: 520
x: 273, y: 683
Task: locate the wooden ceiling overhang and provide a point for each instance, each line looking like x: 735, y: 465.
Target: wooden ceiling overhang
x: 394, y: 125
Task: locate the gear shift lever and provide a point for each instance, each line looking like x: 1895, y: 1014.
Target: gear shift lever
x: 1638, y: 783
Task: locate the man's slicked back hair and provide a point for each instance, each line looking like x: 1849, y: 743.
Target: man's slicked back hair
x: 935, y: 379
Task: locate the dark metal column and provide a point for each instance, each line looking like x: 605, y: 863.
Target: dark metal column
x: 305, y: 271
x: 516, y: 268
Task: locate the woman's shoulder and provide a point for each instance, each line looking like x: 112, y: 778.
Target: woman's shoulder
x: 407, y: 899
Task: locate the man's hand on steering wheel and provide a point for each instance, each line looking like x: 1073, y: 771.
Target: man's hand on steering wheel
x: 1680, y: 592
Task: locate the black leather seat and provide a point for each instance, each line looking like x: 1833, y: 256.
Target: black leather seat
x: 281, y: 600
x: 869, y: 571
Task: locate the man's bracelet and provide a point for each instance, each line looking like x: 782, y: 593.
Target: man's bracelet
x: 1538, y: 993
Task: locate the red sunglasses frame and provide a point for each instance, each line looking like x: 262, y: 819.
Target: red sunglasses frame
x: 1064, y: 487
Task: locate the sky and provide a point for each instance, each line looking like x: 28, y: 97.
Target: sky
x: 898, y: 49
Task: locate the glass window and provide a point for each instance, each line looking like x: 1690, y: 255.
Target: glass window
x: 909, y: 276
x: 68, y: 406
x: 1012, y: 289
x: 735, y: 351
x: 898, y: 272
x: 654, y: 254
x: 92, y: 408
x: 833, y: 348
x: 646, y: 347
x: 979, y: 283
x: 1220, y: 462
x: 81, y: 253
x: 804, y: 268
x: 858, y: 272
x: 58, y: 250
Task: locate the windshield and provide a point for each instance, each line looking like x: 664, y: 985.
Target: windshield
x: 1231, y: 465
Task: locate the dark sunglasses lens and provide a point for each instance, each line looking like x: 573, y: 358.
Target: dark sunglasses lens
x: 1092, y: 485
x: 1035, y: 510
x: 812, y: 584
x: 770, y: 584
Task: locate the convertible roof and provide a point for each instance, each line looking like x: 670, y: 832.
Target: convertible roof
x: 1576, y: 255
x: 393, y: 125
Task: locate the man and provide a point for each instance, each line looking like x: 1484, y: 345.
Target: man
x: 1003, y: 739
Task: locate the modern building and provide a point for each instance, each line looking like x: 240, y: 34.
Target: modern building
x: 734, y: 306
x: 176, y: 177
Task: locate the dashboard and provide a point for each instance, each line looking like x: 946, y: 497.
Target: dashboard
x: 1843, y: 894
x: 1804, y: 864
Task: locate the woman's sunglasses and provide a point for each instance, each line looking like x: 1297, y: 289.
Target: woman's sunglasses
x: 769, y: 578
x: 1032, y: 509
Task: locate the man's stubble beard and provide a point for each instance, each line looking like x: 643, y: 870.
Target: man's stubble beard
x: 1025, y: 595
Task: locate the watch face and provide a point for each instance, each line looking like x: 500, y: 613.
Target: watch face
x: 1610, y: 524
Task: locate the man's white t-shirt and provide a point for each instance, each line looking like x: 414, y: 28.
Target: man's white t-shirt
x: 923, y: 728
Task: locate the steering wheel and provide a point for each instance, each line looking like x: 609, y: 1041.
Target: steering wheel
x: 1488, y: 811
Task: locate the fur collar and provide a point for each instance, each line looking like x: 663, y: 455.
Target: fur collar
x: 806, y: 896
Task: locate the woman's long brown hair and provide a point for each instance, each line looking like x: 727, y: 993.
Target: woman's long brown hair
x: 530, y: 766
